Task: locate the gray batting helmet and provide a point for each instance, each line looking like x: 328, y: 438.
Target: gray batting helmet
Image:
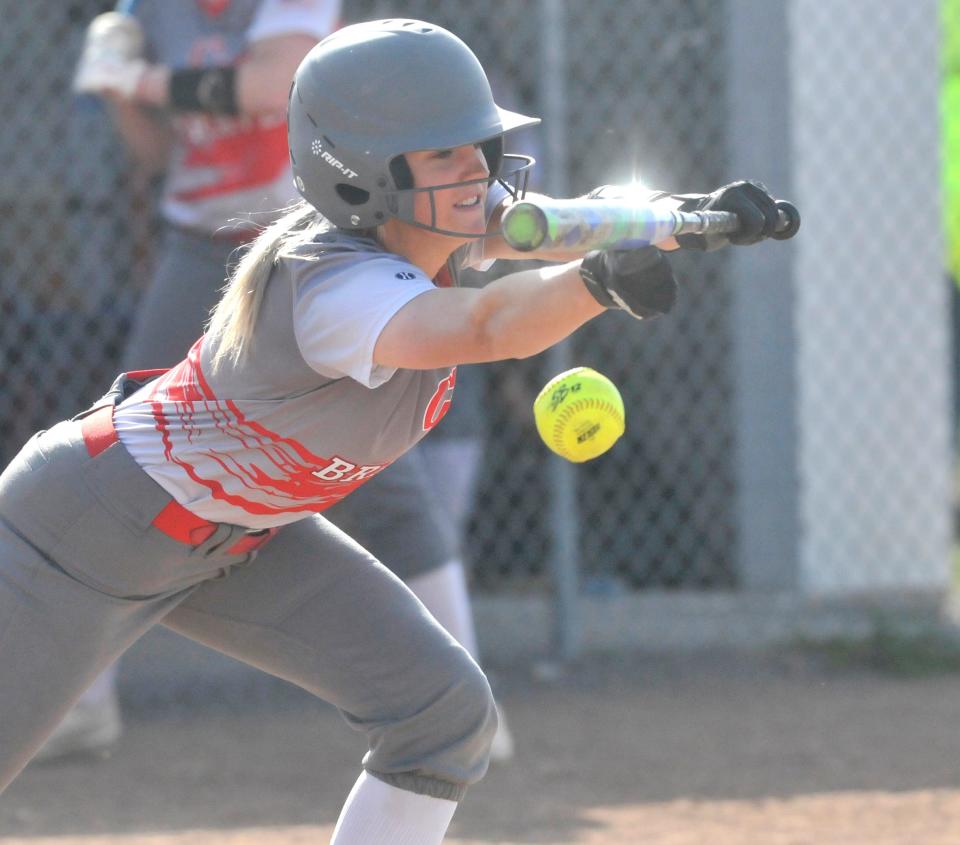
x: 371, y: 92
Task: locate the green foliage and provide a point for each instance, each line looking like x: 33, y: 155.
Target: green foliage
x: 895, y: 648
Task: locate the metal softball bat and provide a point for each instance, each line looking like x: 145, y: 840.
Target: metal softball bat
x: 580, y: 225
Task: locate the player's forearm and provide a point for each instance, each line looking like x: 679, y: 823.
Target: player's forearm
x: 527, y: 312
x: 497, y: 247
x: 260, y: 83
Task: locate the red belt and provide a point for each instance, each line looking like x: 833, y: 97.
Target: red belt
x: 174, y: 520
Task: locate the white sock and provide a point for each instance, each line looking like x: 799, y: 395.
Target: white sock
x: 376, y: 813
x: 444, y: 593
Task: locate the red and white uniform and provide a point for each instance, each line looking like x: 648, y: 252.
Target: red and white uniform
x: 220, y: 165
x: 308, y: 416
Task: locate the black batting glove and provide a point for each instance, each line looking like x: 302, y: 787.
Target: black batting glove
x: 620, y: 192
x: 639, y: 281
x: 750, y: 201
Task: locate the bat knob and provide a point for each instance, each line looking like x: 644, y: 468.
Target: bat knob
x: 789, y: 221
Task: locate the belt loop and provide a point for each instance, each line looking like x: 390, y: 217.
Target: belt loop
x: 98, y: 431
x: 183, y: 526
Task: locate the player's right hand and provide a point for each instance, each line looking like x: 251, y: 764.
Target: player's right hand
x: 112, y: 57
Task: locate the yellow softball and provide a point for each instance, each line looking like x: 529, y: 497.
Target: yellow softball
x: 579, y: 414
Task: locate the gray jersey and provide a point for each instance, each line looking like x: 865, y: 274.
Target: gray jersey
x: 221, y: 166
x: 307, y: 416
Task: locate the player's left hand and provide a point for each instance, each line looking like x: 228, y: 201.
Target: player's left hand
x: 750, y: 201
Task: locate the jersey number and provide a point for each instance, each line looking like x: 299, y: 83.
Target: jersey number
x: 439, y: 404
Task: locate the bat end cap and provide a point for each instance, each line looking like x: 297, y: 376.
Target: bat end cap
x: 524, y: 226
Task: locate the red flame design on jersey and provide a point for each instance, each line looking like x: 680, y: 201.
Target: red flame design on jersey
x: 278, y: 466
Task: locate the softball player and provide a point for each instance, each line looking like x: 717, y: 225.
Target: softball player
x: 225, y: 177
x: 192, y: 497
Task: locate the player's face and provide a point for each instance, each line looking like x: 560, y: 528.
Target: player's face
x: 460, y: 208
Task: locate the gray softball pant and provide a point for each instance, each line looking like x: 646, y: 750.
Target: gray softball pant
x: 84, y: 573
x: 395, y: 515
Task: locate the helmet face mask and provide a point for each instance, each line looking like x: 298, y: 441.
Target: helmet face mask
x: 515, y: 172
x: 372, y: 92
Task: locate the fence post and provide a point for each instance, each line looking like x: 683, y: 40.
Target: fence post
x: 564, y: 517
x: 762, y: 290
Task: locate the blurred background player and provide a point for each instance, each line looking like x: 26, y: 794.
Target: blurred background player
x: 198, y: 93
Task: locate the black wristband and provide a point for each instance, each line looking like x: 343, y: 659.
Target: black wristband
x: 210, y: 89
x: 588, y: 272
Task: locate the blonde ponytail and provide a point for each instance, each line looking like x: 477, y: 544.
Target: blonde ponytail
x: 235, y: 315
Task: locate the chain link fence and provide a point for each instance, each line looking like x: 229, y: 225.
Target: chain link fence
x: 654, y: 512
x: 645, y: 87
x: 76, y: 228
x: 874, y: 401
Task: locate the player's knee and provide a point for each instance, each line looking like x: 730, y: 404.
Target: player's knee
x: 479, y: 713
x: 466, y: 721
x: 444, y: 746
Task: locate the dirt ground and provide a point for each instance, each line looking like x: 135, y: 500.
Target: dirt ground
x: 782, y: 749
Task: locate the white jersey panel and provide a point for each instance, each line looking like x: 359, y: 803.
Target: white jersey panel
x: 286, y: 17
x: 263, y: 463
x: 337, y: 329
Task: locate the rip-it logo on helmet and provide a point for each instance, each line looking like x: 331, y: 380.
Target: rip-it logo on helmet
x: 317, y: 149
